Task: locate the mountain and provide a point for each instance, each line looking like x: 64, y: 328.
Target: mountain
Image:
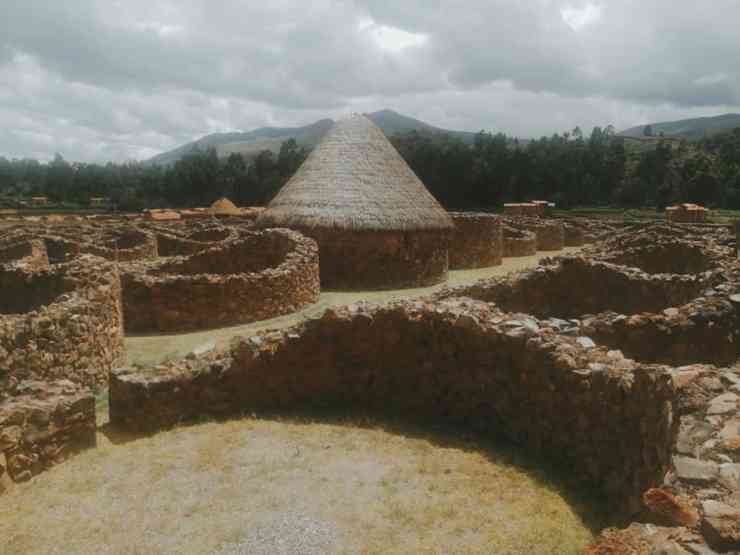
x: 690, y: 129
x: 251, y: 143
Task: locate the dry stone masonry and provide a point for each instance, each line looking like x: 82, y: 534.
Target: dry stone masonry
x: 259, y: 276
x: 42, y: 424
x: 61, y: 323
x: 477, y: 241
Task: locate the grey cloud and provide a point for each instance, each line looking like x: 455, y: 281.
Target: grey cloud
x: 101, y: 79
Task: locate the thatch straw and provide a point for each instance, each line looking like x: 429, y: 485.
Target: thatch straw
x: 224, y: 207
x: 355, y: 179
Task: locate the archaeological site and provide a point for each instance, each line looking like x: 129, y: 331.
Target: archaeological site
x: 610, y: 353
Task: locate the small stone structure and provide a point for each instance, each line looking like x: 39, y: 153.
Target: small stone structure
x: 686, y: 213
x: 259, y: 276
x: 25, y: 253
x: 42, y: 424
x: 64, y: 322
x: 477, y: 241
x: 522, y: 209
x: 608, y: 418
x: 518, y: 242
x: 550, y: 233
x: 122, y: 244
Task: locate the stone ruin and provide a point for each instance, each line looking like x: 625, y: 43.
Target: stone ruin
x: 477, y: 241
x: 457, y: 360
x: 600, y: 360
x: 64, y: 322
x: 518, y: 242
x: 262, y: 275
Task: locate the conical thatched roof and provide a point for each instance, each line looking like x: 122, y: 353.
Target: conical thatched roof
x: 355, y: 179
x: 224, y: 207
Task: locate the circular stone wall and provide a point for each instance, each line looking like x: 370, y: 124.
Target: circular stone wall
x: 61, y: 323
x: 123, y: 244
x: 518, y: 242
x: 182, y: 241
x: 356, y: 260
x: 477, y: 241
x: 550, y: 233
x: 259, y: 276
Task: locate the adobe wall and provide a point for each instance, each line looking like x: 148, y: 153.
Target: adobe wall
x: 518, y: 242
x: 359, y: 260
x: 550, y: 233
x: 262, y: 275
x: 61, y: 323
x: 609, y: 419
x: 42, y: 424
x: 477, y: 241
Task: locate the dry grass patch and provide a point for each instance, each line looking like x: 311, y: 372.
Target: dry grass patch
x: 270, y: 486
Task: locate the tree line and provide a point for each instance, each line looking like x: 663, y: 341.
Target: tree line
x: 571, y: 169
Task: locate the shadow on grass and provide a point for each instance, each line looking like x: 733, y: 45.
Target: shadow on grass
x: 589, y: 503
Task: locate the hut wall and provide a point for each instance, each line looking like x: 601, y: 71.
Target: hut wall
x: 518, y: 242
x: 356, y: 260
x: 477, y: 241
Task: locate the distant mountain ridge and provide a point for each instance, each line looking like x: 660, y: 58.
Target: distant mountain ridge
x: 250, y: 143
x: 691, y: 129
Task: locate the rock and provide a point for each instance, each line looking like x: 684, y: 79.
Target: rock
x: 722, y: 404
x: 731, y: 429
x: 668, y: 509
x: 671, y: 312
x: 202, y: 349
x: 586, y: 342
x: 729, y: 476
x: 721, y: 525
x: 695, y: 470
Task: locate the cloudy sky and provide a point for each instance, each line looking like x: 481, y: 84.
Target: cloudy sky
x: 100, y: 80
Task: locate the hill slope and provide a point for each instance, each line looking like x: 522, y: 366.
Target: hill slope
x: 695, y: 128
x: 270, y: 138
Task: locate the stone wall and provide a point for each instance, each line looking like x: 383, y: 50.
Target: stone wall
x: 26, y: 253
x: 61, y: 323
x: 550, y: 233
x: 704, y: 330
x: 359, y: 260
x: 262, y: 275
x: 574, y: 236
x: 477, y: 241
x: 518, y: 242
x: 609, y: 419
x: 123, y: 244
x: 183, y: 242
x: 42, y: 424
x: 570, y: 286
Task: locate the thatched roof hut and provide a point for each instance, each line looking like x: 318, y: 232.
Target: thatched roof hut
x: 224, y: 207
x: 355, y: 179
x: 376, y: 223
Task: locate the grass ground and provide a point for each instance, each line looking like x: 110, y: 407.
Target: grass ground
x: 153, y: 349
x: 297, y: 486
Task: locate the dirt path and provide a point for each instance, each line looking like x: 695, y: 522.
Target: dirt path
x: 147, y: 350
